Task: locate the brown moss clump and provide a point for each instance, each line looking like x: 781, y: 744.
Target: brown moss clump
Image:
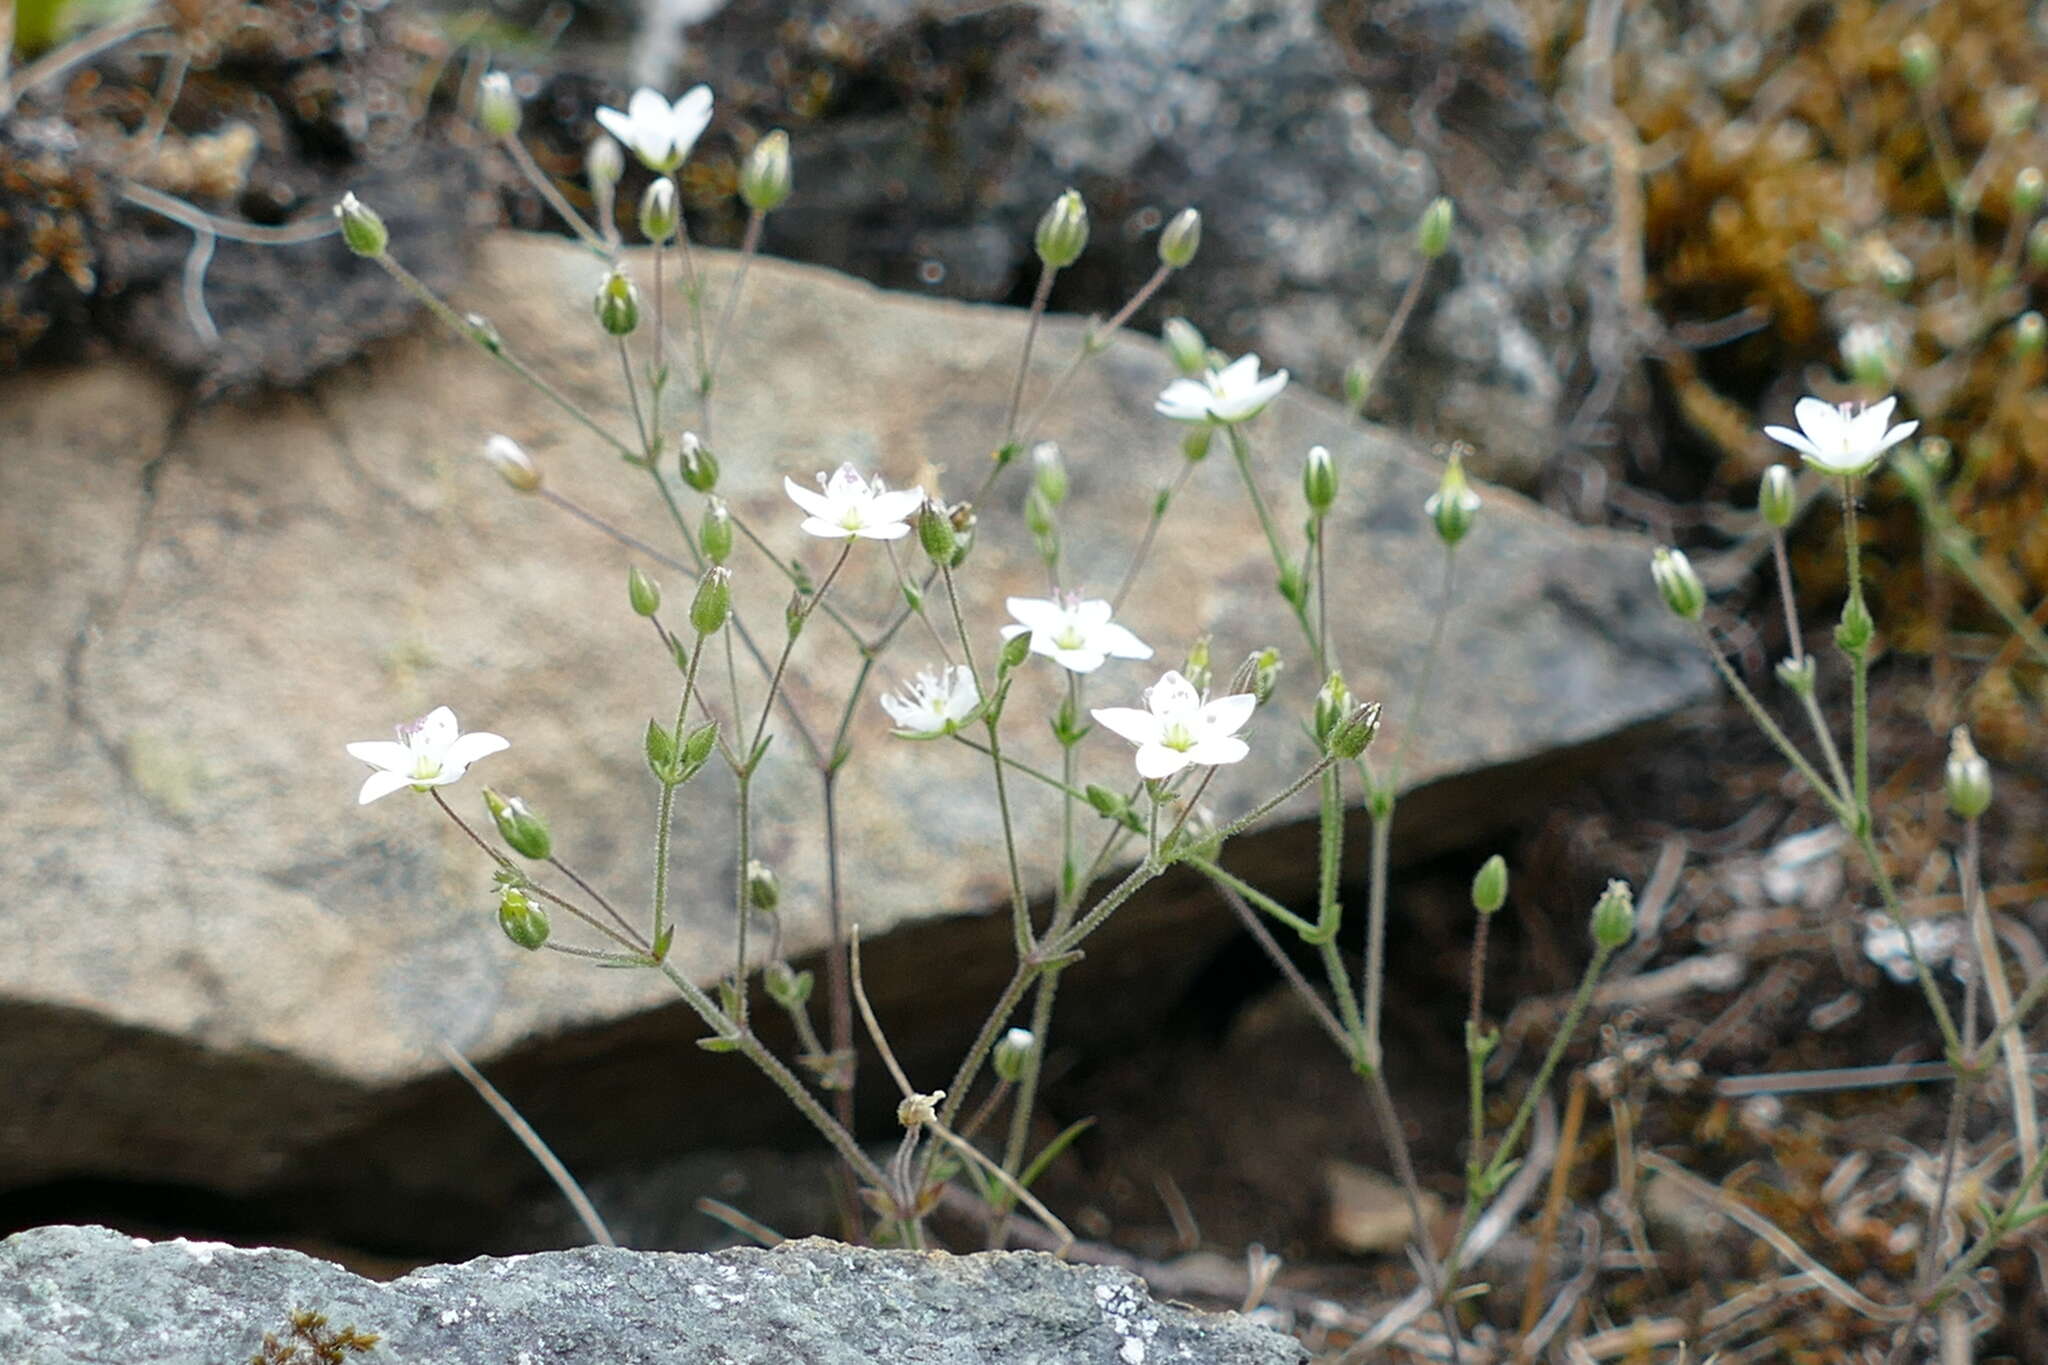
x: 308, y: 1340
x: 1794, y: 175
x: 53, y: 214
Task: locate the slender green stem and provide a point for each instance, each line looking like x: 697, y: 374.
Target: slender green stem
x: 1497, y: 1166
x: 1395, y: 326
x: 1069, y: 889
x: 1036, y: 774
x: 1859, y: 660
x: 1094, y: 344
x: 1376, y: 931
x: 1418, y: 700
x: 750, y: 247
x: 789, y: 645
x: 743, y: 813
x: 664, y: 819
x: 1836, y: 804
x: 633, y: 400
x: 1224, y: 877
x: 1160, y: 503
x: 1020, y: 900
x: 998, y: 1020
x: 538, y: 178
x: 1038, y: 300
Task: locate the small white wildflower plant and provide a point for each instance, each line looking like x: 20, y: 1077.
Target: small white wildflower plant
x: 1145, y: 757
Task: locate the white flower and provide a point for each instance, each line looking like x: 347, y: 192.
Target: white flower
x: 1075, y: 634
x: 659, y: 134
x: 1232, y: 394
x: 934, y: 703
x: 1177, y: 728
x: 430, y: 752
x: 1843, y: 439
x: 852, y: 506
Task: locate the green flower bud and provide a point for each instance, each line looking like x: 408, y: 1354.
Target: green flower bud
x: 643, y: 592
x: 1063, y: 231
x: 1797, y: 675
x: 2028, y: 187
x: 497, y: 108
x: 1680, y: 586
x: 1181, y: 240
x: 1013, y: 1054
x: 2037, y: 245
x: 1453, y: 506
x: 789, y: 989
x: 1333, y: 703
x: 660, y: 748
x: 1106, y: 802
x: 523, y: 831
x: 935, y: 533
x: 1919, y: 62
x: 1967, y: 777
x: 713, y: 602
x: 764, y: 890
x: 524, y: 920
x: 765, y: 179
x: 617, y: 304
x: 716, y: 533
x: 484, y: 333
x: 1259, y: 674
x: 513, y: 464
x: 361, y: 228
x: 1194, y: 446
x: 1357, y: 385
x: 2028, y: 332
x: 1196, y: 669
x: 1433, y: 233
x: 658, y: 210
x: 1319, y: 480
x: 1049, y: 471
x: 964, y: 520
x: 696, y: 463
x: 1357, y: 730
x: 1490, y: 886
x: 1015, y: 650
x: 1777, y: 498
x: 1614, y: 918
x: 1856, y: 630
x: 1185, y: 346
x: 697, y: 747
x: 1937, y: 453
x: 795, y: 611
x: 603, y: 164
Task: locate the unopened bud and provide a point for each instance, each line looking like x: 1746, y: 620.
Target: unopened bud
x: 1015, y: 650
x: 716, y: 534
x: 1063, y: 231
x: 642, y: 592
x: 795, y: 611
x: 1777, y: 499
x: 1196, y: 669
x: 1453, y: 506
x: 1259, y: 674
x: 789, y: 989
x: 497, y: 108
x: 523, y: 831
x: 764, y: 890
x: 1873, y: 354
x: 765, y: 179
x: 918, y: 1110
x: 2037, y: 245
x: 935, y: 533
x: 1937, y: 453
x: 713, y: 602
x: 1180, y: 241
x: 1039, y: 518
x: 658, y: 210
x: 1049, y: 471
x: 361, y: 228
x: 524, y: 920
x: 696, y: 463
x: 1433, y: 233
x: 1013, y: 1053
x: 1676, y: 581
x: 1357, y: 385
x: 1919, y: 62
x: 1614, y: 917
x: 1185, y: 346
x: 617, y: 304
x: 1797, y: 675
x: 603, y: 164
x: 1357, y: 730
x: 512, y: 462
x: 1967, y: 778
x: 2028, y: 187
x: 1319, y: 480
x: 1490, y: 885
x: 484, y: 333
x: 1194, y: 446
x: 1333, y: 703
x: 2028, y: 332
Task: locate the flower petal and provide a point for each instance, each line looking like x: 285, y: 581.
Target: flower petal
x: 1898, y: 434
x: 1114, y: 639
x: 1091, y: 615
x: 1139, y: 727
x: 1157, y: 761
x: 382, y: 753
x: 1787, y: 436
x: 647, y: 107
x: 894, y: 530
x: 1073, y: 660
x: 690, y: 117
x: 812, y: 501
x: 896, y: 506
x: 1820, y: 420
x: 381, y: 784
x: 437, y: 730
x: 825, y: 530
x: 1218, y: 750
x: 1037, y: 613
x: 471, y: 747
x: 1172, y: 695
x: 617, y: 124
x: 1227, y: 715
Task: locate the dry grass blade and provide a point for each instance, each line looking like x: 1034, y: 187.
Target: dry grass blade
x: 593, y: 1223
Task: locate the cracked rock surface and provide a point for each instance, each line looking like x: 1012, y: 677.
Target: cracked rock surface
x: 223, y: 974
x: 83, y: 1295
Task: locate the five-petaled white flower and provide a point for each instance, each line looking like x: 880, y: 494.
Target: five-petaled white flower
x: 1177, y: 728
x: 1232, y: 394
x: 659, y: 133
x: 852, y: 506
x: 1074, y: 633
x: 934, y: 704
x: 1843, y: 439
x: 430, y: 752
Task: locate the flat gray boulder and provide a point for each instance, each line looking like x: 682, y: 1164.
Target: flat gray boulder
x: 222, y: 973
x: 86, y: 1296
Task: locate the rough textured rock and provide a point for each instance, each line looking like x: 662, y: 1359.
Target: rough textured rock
x: 930, y: 134
x: 222, y: 973
x: 84, y: 1296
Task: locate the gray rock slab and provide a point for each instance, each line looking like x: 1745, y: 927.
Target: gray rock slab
x: 85, y: 1296
x: 222, y: 972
